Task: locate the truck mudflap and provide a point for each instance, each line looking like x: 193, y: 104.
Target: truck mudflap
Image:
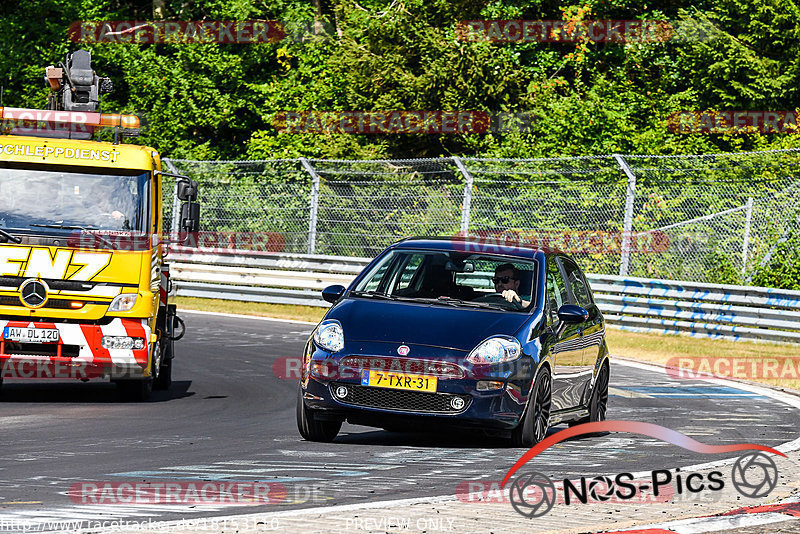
x: 44, y: 350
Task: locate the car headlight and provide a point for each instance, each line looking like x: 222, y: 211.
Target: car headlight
x: 329, y: 335
x: 122, y: 303
x: 495, y: 350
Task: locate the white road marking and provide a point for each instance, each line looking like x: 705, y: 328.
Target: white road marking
x: 619, y: 392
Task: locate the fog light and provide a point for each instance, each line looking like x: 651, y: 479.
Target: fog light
x: 122, y: 342
x: 489, y: 385
x: 457, y: 403
x: 341, y: 392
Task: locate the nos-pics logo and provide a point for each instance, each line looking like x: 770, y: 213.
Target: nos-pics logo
x: 533, y: 494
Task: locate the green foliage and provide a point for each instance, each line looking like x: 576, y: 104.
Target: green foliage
x: 219, y: 100
x: 783, y: 270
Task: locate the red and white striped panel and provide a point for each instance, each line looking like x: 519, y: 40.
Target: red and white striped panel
x: 88, y: 339
x: 164, y: 284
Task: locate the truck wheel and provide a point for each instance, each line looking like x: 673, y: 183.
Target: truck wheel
x: 308, y: 425
x: 135, y: 390
x: 163, y: 380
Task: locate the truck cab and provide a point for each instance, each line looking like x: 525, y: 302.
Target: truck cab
x: 83, y: 282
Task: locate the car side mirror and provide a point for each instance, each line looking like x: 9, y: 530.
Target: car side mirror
x: 572, y: 314
x: 333, y: 293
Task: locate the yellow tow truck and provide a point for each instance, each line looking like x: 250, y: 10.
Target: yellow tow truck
x: 83, y: 283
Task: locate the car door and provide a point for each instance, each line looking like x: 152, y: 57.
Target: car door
x: 591, y: 330
x: 566, y: 350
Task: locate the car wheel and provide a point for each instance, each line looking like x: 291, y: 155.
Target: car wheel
x: 310, y: 428
x: 599, y: 403
x: 533, y: 427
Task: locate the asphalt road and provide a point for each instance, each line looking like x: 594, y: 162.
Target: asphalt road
x: 228, y: 418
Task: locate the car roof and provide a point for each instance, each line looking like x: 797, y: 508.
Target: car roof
x: 476, y: 245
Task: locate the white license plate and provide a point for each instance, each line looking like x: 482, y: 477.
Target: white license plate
x: 30, y: 335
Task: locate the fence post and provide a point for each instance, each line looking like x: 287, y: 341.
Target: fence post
x: 312, y: 218
x: 467, y: 201
x: 630, y: 195
x: 746, y: 242
x: 176, y: 203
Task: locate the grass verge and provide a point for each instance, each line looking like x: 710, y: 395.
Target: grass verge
x: 655, y: 348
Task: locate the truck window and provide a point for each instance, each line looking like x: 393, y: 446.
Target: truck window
x: 46, y: 201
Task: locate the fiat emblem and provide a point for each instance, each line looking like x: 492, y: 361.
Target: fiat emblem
x: 402, y: 350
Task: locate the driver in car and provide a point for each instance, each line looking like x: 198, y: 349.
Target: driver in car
x: 506, y: 282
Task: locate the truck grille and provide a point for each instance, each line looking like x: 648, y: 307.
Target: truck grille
x: 396, y: 399
x: 38, y: 349
x: 55, y: 304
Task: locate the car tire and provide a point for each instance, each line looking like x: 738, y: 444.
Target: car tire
x: 312, y: 429
x: 599, y: 402
x: 533, y: 426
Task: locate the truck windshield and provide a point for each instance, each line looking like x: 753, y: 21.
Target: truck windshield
x: 46, y: 201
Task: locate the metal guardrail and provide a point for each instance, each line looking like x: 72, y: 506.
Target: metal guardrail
x: 736, y: 313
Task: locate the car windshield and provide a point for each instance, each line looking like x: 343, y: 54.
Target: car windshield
x: 452, y: 279
x: 53, y: 201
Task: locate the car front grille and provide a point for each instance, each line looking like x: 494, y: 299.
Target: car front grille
x: 397, y: 399
x: 429, y: 367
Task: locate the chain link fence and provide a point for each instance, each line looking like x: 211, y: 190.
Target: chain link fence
x: 705, y: 218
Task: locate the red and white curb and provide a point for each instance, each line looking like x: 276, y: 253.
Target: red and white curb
x: 751, y: 516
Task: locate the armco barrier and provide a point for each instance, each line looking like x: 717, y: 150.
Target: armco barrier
x: 636, y: 304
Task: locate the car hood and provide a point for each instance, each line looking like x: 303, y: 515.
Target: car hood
x: 422, y: 324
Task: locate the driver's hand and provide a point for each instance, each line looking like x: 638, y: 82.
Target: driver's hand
x: 118, y: 215
x: 510, y: 295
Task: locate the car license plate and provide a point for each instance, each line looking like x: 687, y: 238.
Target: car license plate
x: 405, y: 381
x: 30, y: 335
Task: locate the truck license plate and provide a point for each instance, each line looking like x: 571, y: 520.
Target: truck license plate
x: 30, y: 335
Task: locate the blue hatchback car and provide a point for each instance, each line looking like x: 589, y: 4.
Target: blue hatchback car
x: 443, y: 332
